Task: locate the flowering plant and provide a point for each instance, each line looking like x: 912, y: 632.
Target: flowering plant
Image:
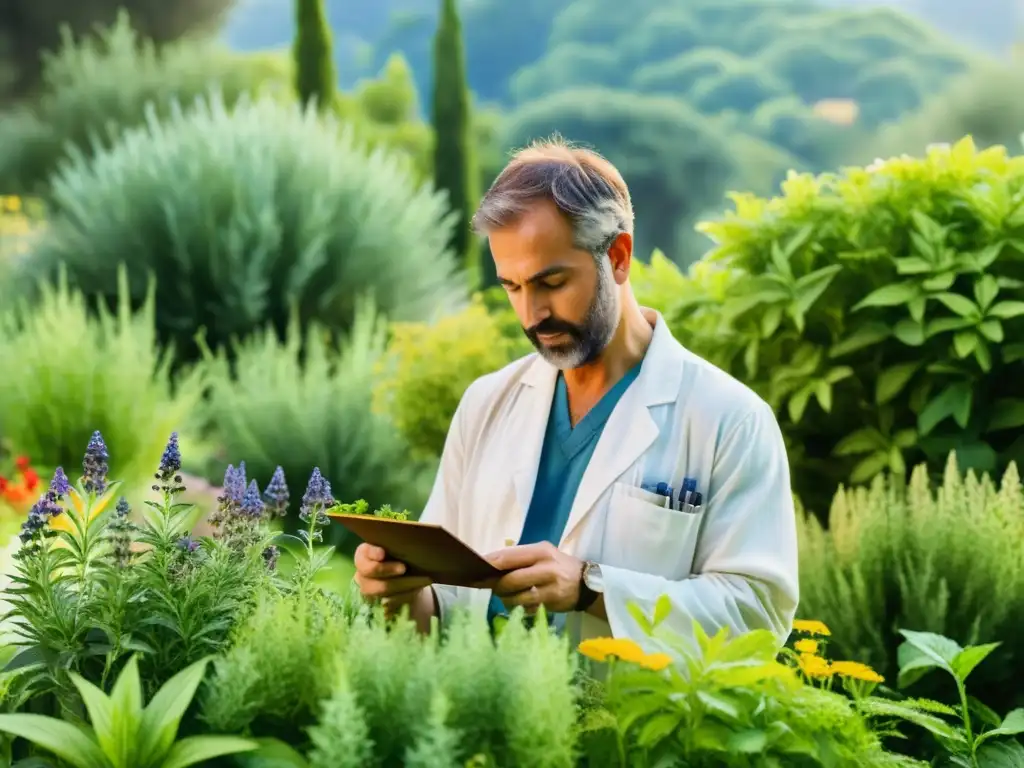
x: 95, y: 584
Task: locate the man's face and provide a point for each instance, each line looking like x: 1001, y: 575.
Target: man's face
x: 567, y: 302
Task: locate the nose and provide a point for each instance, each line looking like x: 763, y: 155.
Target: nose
x: 535, y: 308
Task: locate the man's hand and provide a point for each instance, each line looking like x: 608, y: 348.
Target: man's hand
x: 381, y: 579
x: 540, y: 575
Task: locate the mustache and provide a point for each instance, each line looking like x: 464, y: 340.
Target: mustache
x: 551, y: 325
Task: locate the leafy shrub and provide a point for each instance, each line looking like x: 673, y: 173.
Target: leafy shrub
x: 944, y: 560
x: 429, y: 367
x: 242, y: 214
x: 95, y: 87
x: 878, y: 312
x: 73, y: 371
x: 310, y: 404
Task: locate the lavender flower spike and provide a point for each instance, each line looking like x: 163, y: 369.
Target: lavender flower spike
x: 59, y: 485
x: 234, y: 483
x: 277, y: 494
x: 252, y: 504
x: 95, y: 464
x: 170, y: 467
x: 318, y: 490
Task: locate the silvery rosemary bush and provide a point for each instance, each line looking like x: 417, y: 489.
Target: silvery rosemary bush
x: 94, y: 583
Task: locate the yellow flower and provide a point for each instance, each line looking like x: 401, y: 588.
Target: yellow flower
x: 857, y: 671
x: 815, y: 666
x: 605, y: 648
x: 12, y: 203
x: 806, y: 646
x: 811, y: 627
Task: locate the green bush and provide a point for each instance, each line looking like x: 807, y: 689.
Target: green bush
x: 944, y: 559
x: 71, y: 371
x: 243, y: 214
x: 429, y: 366
x: 95, y: 87
x: 306, y: 402
x: 879, y: 311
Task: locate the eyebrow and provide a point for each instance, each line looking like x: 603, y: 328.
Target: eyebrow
x: 538, y: 276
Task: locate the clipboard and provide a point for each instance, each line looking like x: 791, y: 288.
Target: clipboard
x: 426, y: 549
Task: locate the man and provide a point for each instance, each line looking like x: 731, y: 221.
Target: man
x: 613, y: 466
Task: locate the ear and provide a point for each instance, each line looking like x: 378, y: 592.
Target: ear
x: 620, y: 253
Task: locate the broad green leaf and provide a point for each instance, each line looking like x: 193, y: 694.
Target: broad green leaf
x: 940, y: 282
x: 992, y: 330
x: 916, y: 307
x: 126, y: 701
x: 770, y: 321
x: 983, y: 356
x: 1013, y: 353
x: 1012, y: 725
x: 961, y: 305
x: 198, y: 749
x: 162, y: 716
x: 984, y: 713
x: 970, y: 657
x: 964, y: 343
x: 945, y: 325
x: 924, y: 651
x: 1001, y: 754
x: 887, y: 708
x: 870, y: 466
x: 101, y: 717
x: 838, y: 373
x: 66, y: 741
x: 865, y: 335
x: 893, y: 380
x: 638, y: 616
x: 891, y: 295
x: 750, y: 356
x: 897, y: 464
x: 905, y: 438
x: 720, y: 703
x: 912, y: 265
x: 749, y: 742
x: 1007, y: 414
x: 659, y: 727
x: 798, y: 402
x: 274, y: 753
x: 985, y: 291
x: 1007, y: 310
x: 955, y: 400
x: 909, y: 332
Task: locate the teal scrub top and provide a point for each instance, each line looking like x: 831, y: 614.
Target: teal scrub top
x: 563, y: 460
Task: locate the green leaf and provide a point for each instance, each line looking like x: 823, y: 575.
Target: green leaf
x: 274, y: 753
x: 893, y: 380
x: 909, y: 332
x: 983, y: 356
x: 865, y: 335
x: 1012, y: 725
x: 638, y: 616
x: 891, y: 295
x: 748, y: 742
x: 808, y: 289
x: 197, y: 749
x: 961, y: 305
x: 864, y: 440
x: 992, y: 330
x: 798, y: 402
x: 970, y: 657
x: 945, y: 325
x: 101, y: 716
x: 912, y: 265
x: 922, y: 652
x: 955, y: 400
x: 162, y: 716
x: 1001, y: 754
x: 662, y: 609
x: 770, y: 321
x: 1013, y: 353
x: 1007, y: 413
x: 985, y: 291
x: 964, y: 343
x: 126, y: 702
x: 916, y: 307
x: 1007, y: 310
x: 867, y: 468
x: 68, y: 742
x: 941, y: 282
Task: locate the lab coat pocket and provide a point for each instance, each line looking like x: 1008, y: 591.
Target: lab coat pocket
x: 644, y: 535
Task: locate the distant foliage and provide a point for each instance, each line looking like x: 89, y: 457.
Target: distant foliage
x: 315, y: 79
x: 30, y: 28
x: 245, y: 214
x: 95, y: 88
x: 879, y: 311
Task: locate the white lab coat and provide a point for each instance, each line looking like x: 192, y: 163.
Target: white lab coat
x: 732, y: 565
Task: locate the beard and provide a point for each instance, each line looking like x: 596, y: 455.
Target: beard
x: 588, y: 339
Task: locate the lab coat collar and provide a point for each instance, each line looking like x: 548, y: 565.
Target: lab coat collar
x: 629, y: 432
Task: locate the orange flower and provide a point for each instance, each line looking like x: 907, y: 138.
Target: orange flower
x: 856, y: 671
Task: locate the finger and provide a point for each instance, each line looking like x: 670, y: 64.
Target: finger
x: 373, y: 552
x: 530, y: 599
x: 524, y: 578
x: 389, y: 587
x: 523, y: 556
x: 388, y: 569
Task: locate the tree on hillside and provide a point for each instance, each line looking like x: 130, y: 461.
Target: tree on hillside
x: 314, y: 66
x: 31, y: 28
x: 455, y: 169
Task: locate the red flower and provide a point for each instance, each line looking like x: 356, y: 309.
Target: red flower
x: 31, y: 479
x: 22, y: 462
x: 3, y: 484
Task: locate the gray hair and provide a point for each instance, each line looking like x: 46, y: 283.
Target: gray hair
x: 587, y: 189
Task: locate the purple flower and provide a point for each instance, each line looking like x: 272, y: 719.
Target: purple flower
x: 35, y: 524
x: 170, y: 467
x: 317, y: 497
x: 59, y: 485
x: 94, y: 465
x: 277, y: 494
x: 234, y: 483
x: 120, y: 532
x: 252, y: 504
x: 188, y: 544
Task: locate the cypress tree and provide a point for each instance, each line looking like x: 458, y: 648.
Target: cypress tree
x: 455, y: 167
x: 312, y: 51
